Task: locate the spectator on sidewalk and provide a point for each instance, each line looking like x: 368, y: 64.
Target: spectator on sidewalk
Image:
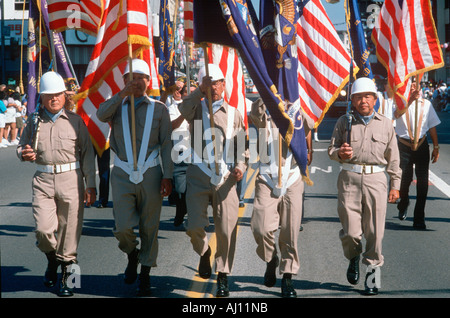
x: 2, y: 117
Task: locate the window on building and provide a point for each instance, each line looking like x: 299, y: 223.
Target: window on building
x: 18, y: 5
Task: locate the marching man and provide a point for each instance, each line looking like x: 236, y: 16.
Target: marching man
x: 204, y: 185
x: 363, y: 190
x: 59, y: 143
x: 138, y: 194
x: 278, y: 207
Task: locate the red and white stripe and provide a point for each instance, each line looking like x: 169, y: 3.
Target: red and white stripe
x: 407, y: 43
x: 228, y: 61
x: 189, y: 20
x: 324, y: 63
x: 109, y: 58
x: 81, y: 15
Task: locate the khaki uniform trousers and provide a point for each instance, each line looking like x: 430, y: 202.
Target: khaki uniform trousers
x: 58, y: 212
x: 269, y: 213
x: 362, y: 203
x: 137, y: 205
x: 225, y: 204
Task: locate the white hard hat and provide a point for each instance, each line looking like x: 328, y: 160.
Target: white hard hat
x: 214, y: 72
x: 363, y: 85
x: 139, y: 66
x: 52, y: 83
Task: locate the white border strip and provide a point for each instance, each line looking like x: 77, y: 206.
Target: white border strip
x: 439, y: 183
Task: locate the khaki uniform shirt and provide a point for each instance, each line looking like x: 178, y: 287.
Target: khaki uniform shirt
x: 111, y: 111
x: 260, y: 119
x: 191, y: 110
x: 373, y: 144
x: 63, y: 141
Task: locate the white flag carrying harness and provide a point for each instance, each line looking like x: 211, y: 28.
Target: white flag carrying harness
x: 205, y: 165
x: 136, y: 176
x: 289, y: 176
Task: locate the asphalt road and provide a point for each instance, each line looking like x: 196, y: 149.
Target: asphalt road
x: 416, y: 262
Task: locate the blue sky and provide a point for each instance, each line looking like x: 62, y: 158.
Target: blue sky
x: 335, y: 12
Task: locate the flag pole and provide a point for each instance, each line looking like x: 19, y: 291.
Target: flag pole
x: 40, y: 48
x: 211, y: 118
x: 54, y: 62
x: 188, y: 67
x: 416, y: 119
x: 133, y: 115
x: 21, y: 53
x: 69, y: 62
x: 280, y: 150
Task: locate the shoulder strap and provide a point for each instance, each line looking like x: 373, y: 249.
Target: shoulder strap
x: 145, y: 137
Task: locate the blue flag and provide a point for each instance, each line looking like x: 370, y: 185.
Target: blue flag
x: 278, y: 39
x: 360, y: 53
x: 239, y: 20
x: 359, y: 50
x: 166, y: 66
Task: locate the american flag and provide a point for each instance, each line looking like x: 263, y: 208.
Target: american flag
x: 324, y: 63
x: 406, y: 44
x: 189, y: 20
x: 228, y: 61
x: 122, y: 21
x: 79, y: 14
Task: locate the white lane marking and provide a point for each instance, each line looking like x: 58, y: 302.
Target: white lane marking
x: 314, y: 168
x: 439, y: 183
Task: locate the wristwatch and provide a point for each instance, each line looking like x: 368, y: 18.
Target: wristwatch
x: 436, y: 147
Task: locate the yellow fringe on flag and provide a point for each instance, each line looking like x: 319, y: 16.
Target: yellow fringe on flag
x: 119, y: 14
x: 138, y: 39
x: 97, y: 147
x: 307, y: 179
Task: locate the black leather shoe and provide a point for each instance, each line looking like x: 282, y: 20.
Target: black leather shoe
x: 204, y: 267
x: 144, y: 282
x: 64, y: 289
x: 353, y: 271
x: 402, y: 207
x: 419, y: 226
x: 270, y: 277
x: 222, y: 285
x: 51, y: 273
x: 370, y: 288
x: 402, y: 214
x: 131, y: 270
x: 287, y: 288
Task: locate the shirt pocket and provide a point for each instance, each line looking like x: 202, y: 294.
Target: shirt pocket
x: 379, y: 144
x: 355, y: 140
x: 66, y: 141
